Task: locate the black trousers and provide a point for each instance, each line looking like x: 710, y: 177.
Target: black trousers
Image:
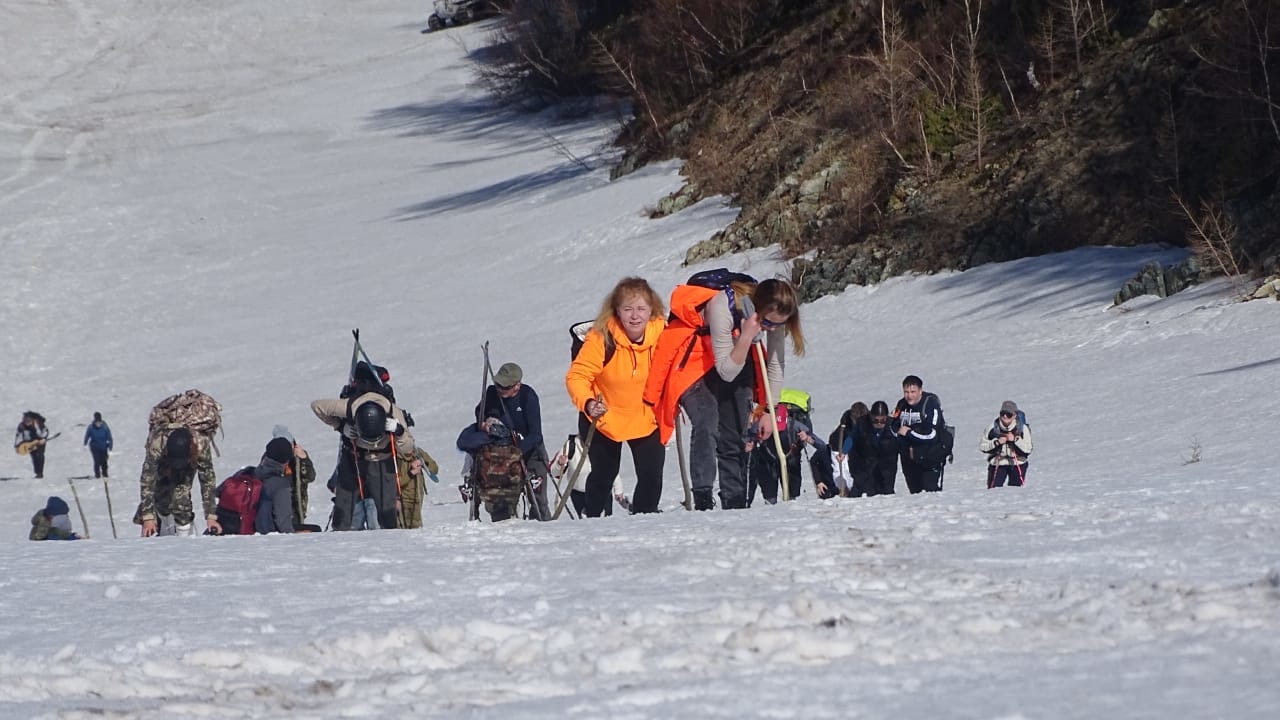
x: 605, y: 454
x: 1015, y: 475
x: 99, y: 462
x: 920, y: 478
x: 37, y: 461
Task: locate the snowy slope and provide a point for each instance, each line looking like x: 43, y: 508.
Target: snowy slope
x: 213, y: 194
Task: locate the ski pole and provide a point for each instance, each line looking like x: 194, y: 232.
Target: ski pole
x: 684, y: 468
x: 395, y: 463
x: 777, y: 441
x: 76, y: 495
x: 110, y: 513
x: 577, y: 470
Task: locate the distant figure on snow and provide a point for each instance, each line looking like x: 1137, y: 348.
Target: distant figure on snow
x: 98, y: 437
x: 51, y: 522
x: 31, y: 438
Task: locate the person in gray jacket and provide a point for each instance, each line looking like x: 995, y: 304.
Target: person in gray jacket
x: 275, y: 511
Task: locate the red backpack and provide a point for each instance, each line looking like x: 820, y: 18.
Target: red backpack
x: 238, y: 498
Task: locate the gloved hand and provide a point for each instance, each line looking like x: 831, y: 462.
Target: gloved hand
x: 392, y: 426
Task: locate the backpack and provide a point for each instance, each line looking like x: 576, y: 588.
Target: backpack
x: 499, y: 471
x: 578, y: 334
x: 238, y: 498
x: 935, y: 454
x: 190, y: 409
x: 995, y: 426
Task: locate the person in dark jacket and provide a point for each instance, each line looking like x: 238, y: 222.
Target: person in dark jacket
x: 51, y: 522
x: 98, y: 437
x: 32, y: 433
x: 871, y: 453
x: 917, y: 419
x: 275, y: 510
x: 520, y: 411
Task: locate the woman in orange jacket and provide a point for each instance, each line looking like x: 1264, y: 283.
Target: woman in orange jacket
x: 606, y: 382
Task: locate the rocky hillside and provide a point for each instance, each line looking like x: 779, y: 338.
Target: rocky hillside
x: 875, y: 137
x: 917, y: 136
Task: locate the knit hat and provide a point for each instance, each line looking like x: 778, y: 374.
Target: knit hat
x: 280, y: 450
x: 1009, y: 406
x: 56, y: 506
x: 97, y: 416
x: 281, y: 431
x: 509, y: 374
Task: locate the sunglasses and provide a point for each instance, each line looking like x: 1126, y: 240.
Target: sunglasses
x: 879, y: 421
x: 1006, y: 414
x: 769, y: 324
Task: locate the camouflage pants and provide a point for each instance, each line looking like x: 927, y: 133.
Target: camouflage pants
x: 175, y: 500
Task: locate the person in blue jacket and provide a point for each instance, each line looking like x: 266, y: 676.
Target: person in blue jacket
x: 98, y: 437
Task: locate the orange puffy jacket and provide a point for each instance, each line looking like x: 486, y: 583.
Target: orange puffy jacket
x: 619, y: 383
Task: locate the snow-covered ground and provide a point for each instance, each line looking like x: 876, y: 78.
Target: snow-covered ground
x: 212, y: 195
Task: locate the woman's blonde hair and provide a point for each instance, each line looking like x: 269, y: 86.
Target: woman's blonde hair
x: 777, y: 296
x: 626, y: 288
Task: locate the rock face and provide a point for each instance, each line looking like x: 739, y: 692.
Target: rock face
x: 1097, y: 156
x: 1155, y: 279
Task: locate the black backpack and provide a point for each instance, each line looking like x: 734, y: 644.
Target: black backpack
x: 578, y: 334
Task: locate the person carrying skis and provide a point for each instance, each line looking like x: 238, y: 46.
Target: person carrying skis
x: 174, y: 459
x: 764, y: 470
x: 495, y: 466
x: 606, y: 383
x: 520, y: 410
x: 919, y: 423
x: 704, y: 364
x: 32, y: 435
x: 98, y: 438
x: 375, y: 431
x: 1007, y: 444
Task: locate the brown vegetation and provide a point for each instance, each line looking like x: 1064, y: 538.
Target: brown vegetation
x: 896, y: 135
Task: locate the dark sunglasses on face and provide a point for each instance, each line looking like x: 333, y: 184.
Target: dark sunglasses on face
x: 769, y: 324
x: 879, y: 421
x: 1006, y: 414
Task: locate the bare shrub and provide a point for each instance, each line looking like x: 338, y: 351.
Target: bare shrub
x: 1194, y: 457
x: 1212, y: 237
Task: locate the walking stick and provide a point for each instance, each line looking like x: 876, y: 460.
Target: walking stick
x: 577, y: 470
x: 76, y: 495
x: 684, y: 468
x: 110, y: 513
x: 777, y: 440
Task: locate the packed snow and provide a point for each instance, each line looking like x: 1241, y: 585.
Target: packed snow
x: 212, y: 195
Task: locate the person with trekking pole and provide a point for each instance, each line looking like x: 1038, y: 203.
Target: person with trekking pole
x: 606, y: 383
x: 703, y: 364
x: 518, y: 407
x: 1007, y: 444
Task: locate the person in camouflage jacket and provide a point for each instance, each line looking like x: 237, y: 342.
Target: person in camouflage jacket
x: 175, y: 456
x: 413, y: 486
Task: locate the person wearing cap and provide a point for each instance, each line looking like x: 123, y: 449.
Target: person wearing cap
x: 1007, y: 444
x: 275, y: 471
x: 516, y: 405
x: 52, y: 522
x: 174, y: 459
x: 97, y: 436
x: 303, y: 474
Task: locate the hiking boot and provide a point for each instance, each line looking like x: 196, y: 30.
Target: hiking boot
x: 703, y: 500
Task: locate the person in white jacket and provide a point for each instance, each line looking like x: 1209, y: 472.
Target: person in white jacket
x: 1007, y: 444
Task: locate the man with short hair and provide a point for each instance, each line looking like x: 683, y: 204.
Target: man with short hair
x: 917, y: 419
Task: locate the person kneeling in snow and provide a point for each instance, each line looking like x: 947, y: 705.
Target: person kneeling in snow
x: 51, y: 522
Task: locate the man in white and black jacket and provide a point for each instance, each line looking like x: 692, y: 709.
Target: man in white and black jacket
x: 917, y: 419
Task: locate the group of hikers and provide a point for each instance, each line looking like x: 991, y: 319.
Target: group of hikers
x: 715, y: 356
